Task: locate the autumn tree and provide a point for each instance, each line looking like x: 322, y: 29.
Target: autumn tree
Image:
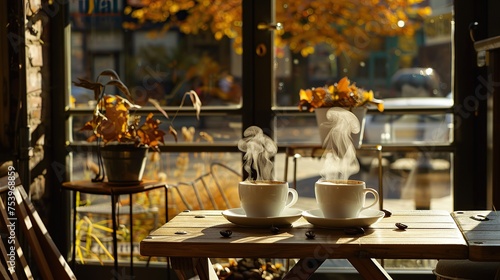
x: 345, y: 25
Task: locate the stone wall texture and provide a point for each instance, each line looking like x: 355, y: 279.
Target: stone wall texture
x: 37, y: 94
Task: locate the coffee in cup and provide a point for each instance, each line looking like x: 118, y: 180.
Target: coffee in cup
x: 265, y: 198
x: 342, y: 198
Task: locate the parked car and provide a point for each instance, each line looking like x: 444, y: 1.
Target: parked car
x: 412, y: 88
x: 410, y: 128
x: 416, y: 82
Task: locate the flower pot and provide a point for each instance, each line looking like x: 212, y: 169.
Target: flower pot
x: 359, y: 112
x: 124, y: 164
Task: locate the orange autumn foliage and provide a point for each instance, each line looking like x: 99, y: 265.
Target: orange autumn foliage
x: 113, y: 119
x: 345, y: 25
x: 341, y: 94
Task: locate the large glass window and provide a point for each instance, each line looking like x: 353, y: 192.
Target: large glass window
x: 409, y: 71
x: 164, y: 49
x: 157, y: 58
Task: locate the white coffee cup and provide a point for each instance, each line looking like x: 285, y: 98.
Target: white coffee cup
x: 265, y: 198
x: 342, y: 198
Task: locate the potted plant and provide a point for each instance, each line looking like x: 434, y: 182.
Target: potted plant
x: 342, y: 94
x: 126, y: 139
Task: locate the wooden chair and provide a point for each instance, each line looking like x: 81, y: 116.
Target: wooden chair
x: 16, y: 211
x: 216, y: 189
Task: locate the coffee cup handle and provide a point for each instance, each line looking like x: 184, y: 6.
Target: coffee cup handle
x: 295, y: 197
x: 375, y: 194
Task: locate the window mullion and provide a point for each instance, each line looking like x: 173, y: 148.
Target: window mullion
x: 258, y: 65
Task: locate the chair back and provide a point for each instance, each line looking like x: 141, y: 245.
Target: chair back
x: 17, y: 211
x: 215, y: 189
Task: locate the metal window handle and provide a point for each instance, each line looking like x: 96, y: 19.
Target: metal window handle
x: 472, y: 27
x: 482, y: 56
x: 261, y: 49
x: 270, y: 26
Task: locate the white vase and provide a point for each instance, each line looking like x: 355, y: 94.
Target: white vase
x: 359, y: 112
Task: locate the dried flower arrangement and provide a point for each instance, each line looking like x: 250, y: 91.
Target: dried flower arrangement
x: 113, y: 122
x: 341, y: 94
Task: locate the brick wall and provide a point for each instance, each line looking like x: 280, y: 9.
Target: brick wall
x: 37, y: 94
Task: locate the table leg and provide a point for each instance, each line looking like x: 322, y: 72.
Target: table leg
x: 285, y: 176
x: 186, y: 268
x: 369, y: 269
x: 295, y: 157
x: 380, y: 178
x: 166, y: 203
x: 113, y: 219
x: 205, y: 269
x: 303, y: 269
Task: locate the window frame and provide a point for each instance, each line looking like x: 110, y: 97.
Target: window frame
x: 254, y: 111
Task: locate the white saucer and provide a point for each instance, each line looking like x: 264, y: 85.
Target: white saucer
x: 366, y: 218
x: 238, y: 216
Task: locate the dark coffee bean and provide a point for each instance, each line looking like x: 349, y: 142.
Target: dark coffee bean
x: 401, y: 226
x: 310, y: 234
x: 480, y: 218
x: 226, y: 233
x: 387, y: 213
x: 354, y: 230
x: 275, y: 230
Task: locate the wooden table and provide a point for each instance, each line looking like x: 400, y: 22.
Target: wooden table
x: 104, y: 188
x: 481, y: 230
x: 193, y: 237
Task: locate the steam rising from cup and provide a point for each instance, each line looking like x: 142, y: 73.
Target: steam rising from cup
x: 340, y: 153
x: 259, y: 149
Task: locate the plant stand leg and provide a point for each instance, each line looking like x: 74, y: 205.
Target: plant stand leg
x: 114, y: 199
x: 131, y: 236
